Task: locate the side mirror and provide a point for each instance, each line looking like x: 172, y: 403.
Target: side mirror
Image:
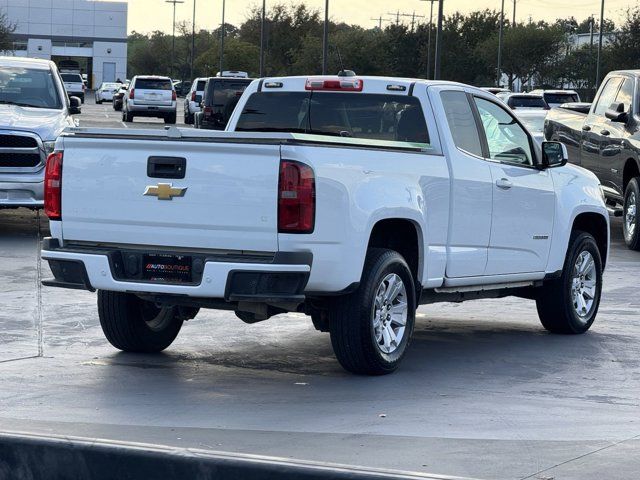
x: 74, y: 106
x: 616, y: 113
x: 554, y: 154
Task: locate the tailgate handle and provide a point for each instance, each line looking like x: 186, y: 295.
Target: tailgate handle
x: 166, y: 167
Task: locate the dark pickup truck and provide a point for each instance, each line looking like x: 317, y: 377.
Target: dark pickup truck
x: 606, y: 140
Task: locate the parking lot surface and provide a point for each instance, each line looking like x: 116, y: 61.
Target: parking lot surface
x: 484, y: 392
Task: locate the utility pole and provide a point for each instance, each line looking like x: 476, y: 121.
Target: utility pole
x: 262, y: 24
x: 379, y: 20
x: 222, y: 39
x: 397, y: 15
x: 437, y: 64
x: 499, y: 69
x: 325, y: 38
x: 193, y: 37
x: 600, y: 45
x: 429, y: 37
x: 173, y: 38
x: 403, y: 14
x: 513, y: 24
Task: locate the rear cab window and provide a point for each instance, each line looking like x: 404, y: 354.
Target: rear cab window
x: 526, y: 102
x: 561, y: 98
x: 378, y: 117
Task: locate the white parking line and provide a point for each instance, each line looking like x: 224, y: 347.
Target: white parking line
x: 124, y: 125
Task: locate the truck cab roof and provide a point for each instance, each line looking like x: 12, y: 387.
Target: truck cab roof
x: 26, y: 62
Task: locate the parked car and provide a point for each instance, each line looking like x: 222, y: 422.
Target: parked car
x: 606, y: 140
x: 221, y: 94
x: 150, y: 96
x: 192, y: 100
x: 555, y: 98
x: 527, y: 101
x: 106, y: 91
x: 74, y: 85
x: 34, y: 109
x: 303, y: 205
x: 118, y: 97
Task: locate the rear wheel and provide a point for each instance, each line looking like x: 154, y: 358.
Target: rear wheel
x: 631, y: 214
x: 569, y: 304
x: 170, y: 119
x: 135, y: 325
x: 371, y: 328
x: 126, y: 116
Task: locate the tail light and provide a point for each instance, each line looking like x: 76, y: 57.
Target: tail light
x: 207, y: 111
x: 53, y: 186
x: 342, y: 84
x: 193, y: 96
x: 131, y: 93
x: 173, y: 95
x: 296, y: 198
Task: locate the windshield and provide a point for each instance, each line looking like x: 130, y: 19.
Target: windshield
x: 28, y: 87
x: 153, y: 84
x: 71, y: 77
x: 560, y: 98
x: 375, y: 117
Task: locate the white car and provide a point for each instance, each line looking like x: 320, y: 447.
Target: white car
x: 533, y: 119
x: 524, y: 101
x: 319, y: 207
x: 193, y: 99
x: 73, y: 84
x: 150, y: 96
x: 555, y: 98
x: 106, y: 91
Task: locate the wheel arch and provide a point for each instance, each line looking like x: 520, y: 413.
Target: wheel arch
x: 403, y: 235
x: 596, y: 225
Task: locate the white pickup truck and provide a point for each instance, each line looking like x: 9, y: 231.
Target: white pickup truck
x: 350, y: 199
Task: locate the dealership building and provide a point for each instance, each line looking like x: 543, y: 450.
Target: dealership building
x: 88, y: 36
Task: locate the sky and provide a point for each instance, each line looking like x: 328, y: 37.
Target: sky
x: 149, y: 15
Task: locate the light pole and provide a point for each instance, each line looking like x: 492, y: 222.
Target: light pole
x: 325, y: 38
x: 514, y: 14
x: 193, y: 37
x: 429, y: 37
x: 264, y: 8
x: 499, y: 69
x: 600, y: 45
x: 173, y: 40
x: 436, y: 66
x: 222, y: 39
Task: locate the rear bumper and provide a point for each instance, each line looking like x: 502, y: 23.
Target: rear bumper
x: 282, y: 280
x: 151, y: 110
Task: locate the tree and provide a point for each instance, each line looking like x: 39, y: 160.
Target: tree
x: 624, y: 50
x: 6, y: 29
x: 527, y: 50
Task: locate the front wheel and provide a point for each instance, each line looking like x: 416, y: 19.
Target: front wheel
x: 631, y: 214
x: 135, y: 325
x: 371, y: 328
x: 569, y: 304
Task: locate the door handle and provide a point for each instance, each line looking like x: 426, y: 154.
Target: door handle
x: 606, y: 133
x: 504, y: 183
x: 586, y: 128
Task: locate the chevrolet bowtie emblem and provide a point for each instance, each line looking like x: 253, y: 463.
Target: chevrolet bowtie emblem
x: 164, y: 191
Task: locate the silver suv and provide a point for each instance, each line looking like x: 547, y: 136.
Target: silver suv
x: 34, y: 109
x: 150, y: 96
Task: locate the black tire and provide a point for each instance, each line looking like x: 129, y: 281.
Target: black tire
x: 127, y: 117
x: 170, y: 119
x: 188, y: 119
x: 99, y: 102
x: 554, y: 301
x: 351, y: 317
x: 135, y: 325
x: 631, y: 214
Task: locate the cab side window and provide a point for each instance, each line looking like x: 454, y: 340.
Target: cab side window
x: 461, y: 122
x: 607, y: 95
x: 507, y: 140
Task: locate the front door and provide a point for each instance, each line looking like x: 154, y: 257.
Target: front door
x: 523, y: 195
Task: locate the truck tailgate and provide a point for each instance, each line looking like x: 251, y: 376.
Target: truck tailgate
x: 230, y: 201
